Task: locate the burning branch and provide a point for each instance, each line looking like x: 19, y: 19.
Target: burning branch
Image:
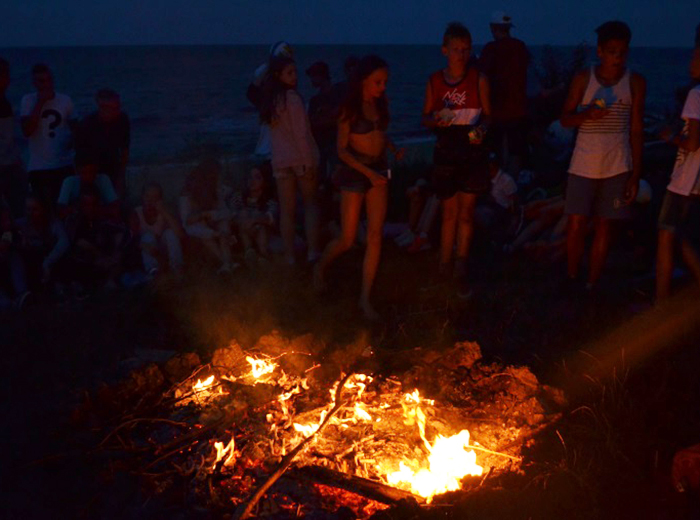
x: 289, y: 458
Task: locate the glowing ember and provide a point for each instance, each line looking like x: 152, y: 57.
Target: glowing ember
x: 221, y: 452
x: 260, y: 367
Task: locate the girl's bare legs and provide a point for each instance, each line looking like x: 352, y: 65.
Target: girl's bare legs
x: 350, y: 207
x: 691, y: 259
x: 376, y: 201
x: 308, y: 185
x: 664, y: 264
x: 466, y: 205
x: 286, y: 192
x: 575, y: 243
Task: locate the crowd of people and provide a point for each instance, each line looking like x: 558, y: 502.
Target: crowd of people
x: 66, y: 228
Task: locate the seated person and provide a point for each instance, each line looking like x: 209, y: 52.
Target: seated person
x: 97, y: 243
x: 158, y: 232
x: 497, y: 212
x: 42, y: 243
x: 423, y: 208
x: 204, y: 214
x: 255, y: 212
x: 88, y: 176
x: 13, y: 283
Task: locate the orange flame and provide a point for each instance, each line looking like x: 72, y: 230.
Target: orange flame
x: 228, y: 452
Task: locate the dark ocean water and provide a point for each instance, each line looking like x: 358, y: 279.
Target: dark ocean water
x: 183, y: 97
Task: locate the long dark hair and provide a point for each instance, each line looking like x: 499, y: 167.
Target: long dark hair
x: 352, y: 106
x: 274, y: 92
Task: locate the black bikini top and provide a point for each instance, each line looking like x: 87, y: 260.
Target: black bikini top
x: 362, y: 125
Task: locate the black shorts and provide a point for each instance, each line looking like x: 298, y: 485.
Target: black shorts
x: 459, y: 166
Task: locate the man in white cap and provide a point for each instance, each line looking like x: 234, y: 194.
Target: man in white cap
x: 254, y: 92
x: 505, y: 61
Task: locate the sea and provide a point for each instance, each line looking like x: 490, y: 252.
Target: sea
x: 182, y: 99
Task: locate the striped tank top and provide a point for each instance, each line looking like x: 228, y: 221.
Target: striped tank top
x: 603, y: 145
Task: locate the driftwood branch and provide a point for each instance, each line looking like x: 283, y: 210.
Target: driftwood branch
x: 247, y: 507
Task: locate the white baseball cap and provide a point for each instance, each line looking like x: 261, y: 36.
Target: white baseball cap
x: 501, y: 18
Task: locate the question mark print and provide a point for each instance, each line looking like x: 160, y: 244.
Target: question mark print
x: 56, y: 116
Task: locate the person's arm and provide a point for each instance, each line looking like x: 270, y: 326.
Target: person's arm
x: 31, y: 116
x: 570, y: 116
x: 349, y: 159
x: 170, y: 220
x: 125, y: 146
x: 430, y: 118
x: 638, y: 86
x: 485, y: 98
x: 689, y: 141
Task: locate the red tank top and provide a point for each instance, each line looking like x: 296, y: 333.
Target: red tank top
x: 462, y: 98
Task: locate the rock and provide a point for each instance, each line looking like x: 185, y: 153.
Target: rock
x: 229, y: 358
x: 181, y: 367
x: 273, y: 344
x: 463, y: 355
x: 146, y: 380
x: 523, y: 383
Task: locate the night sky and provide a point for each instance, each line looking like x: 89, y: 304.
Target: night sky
x: 109, y: 22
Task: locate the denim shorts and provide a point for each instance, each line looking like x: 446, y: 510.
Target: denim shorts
x: 597, y: 197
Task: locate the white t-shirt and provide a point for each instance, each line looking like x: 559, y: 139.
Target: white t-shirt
x: 685, y: 179
x: 50, y: 146
x: 503, y: 187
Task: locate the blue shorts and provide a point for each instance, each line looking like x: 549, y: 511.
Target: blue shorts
x: 602, y: 198
x: 680, y: 214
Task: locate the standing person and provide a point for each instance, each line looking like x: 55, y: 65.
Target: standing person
x: 457, y: 107
x: 10, y: 162
x: 46, y: 117
x: 362, y: 145
x: 279, y: 49
x: 504, y: 61
x: 106, y: 135
x: 682, y: 199
x: 606, y: 103
x: 323, y: 115
x: 294, y: 154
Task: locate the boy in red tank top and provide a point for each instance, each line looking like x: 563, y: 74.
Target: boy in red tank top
x: 456, y: 108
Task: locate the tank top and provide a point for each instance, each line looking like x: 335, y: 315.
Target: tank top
x: 462, y: 97
x: 157, y: 228
x: 603, y: 145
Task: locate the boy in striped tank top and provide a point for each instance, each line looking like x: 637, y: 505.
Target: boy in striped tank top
x: 606, y: 104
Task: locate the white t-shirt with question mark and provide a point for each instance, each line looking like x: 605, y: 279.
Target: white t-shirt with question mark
x: 51, y: 144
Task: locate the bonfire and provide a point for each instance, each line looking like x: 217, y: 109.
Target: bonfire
x: 279, y: 430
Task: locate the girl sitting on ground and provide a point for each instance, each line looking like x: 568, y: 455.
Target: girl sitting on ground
x: 204, y: 214
x: 159, y: 233
x: 255, y: 211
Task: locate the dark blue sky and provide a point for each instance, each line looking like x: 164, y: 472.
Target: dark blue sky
x: 105, y: 22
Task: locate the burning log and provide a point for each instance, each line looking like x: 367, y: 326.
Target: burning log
x: 247, y: 509
x: 361, y: 486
